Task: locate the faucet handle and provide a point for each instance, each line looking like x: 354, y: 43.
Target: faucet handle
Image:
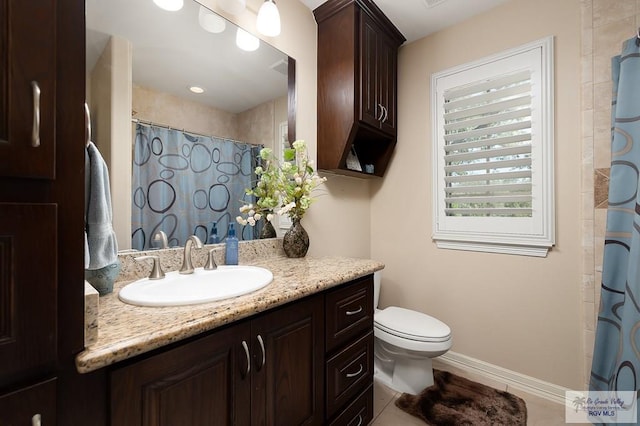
x: 161, y: 236
x: 211, y: 264
x: 156, y: 272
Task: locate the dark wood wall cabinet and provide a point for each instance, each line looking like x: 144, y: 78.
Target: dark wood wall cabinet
x: 308, y: 362
x: 357, y: 87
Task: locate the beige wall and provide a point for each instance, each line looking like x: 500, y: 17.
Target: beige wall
x: 520, y: 313
x: 110, y: 106
x: 179, y: 113
x: 605, y: 25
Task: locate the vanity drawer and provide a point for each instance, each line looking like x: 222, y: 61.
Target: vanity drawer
x: 359, y: 412
x: 349, y: 372
x: 349, y: 312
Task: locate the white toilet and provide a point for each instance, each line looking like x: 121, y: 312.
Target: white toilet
x: 405, y: 343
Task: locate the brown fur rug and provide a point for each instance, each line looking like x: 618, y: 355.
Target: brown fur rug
x: 453, y: 400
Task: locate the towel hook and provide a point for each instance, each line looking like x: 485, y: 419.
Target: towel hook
x: 87, y: 117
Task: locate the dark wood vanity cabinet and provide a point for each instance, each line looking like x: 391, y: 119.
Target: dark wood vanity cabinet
x: 265, y: 370
x: 308, y: 362
x: 357, y: 81
x: 349, y: 353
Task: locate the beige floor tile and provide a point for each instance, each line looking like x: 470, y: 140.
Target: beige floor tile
x: 382, y: 396
x: 393, y: 416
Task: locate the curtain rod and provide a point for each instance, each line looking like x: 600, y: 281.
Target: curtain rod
x: 165, y: 126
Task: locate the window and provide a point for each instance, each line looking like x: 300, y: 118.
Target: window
x: 493, y: 153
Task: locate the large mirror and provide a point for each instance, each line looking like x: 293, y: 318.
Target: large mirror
x: 172, y: 92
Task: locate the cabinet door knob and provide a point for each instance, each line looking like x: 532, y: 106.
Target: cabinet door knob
x: 246, y: 352
x: 359, y: 419
x: 263, y: 352
x: 357, y: 311
x: 386, y: 114
x: 381, y: 112
x: 357, y: 373
x: 35, y: 130
x: 36, y: 420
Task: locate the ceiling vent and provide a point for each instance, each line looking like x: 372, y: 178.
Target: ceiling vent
x: 433, y: 3
x: 282, y: 66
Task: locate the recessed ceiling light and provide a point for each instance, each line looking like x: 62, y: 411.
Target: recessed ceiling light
x: 196, y: 89
x: 170, y: 5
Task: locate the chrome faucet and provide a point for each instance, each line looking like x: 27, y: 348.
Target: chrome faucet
x: 162, y: 237
x: 187, y: 266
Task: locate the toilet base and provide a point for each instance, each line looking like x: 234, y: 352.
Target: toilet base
x: 404, y: 375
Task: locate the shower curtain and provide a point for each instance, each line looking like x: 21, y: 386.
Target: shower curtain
x: 616, y: 359
x: 183, y: 182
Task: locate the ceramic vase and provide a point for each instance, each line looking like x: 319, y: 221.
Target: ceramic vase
x: 268, y: 231
x: 296, y: 240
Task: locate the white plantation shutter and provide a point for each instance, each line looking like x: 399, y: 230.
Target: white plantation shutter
x: 493, y: 153
x: 488, y: 147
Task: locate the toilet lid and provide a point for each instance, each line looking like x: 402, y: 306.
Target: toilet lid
x: 412, y: 325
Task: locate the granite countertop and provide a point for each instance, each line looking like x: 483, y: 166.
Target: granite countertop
x: 126, y: 330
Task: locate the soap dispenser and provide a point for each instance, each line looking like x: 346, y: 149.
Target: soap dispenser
x: 231, y: 247
x: 213, y: 236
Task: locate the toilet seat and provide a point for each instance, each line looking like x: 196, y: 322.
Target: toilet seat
x: 411, y: 325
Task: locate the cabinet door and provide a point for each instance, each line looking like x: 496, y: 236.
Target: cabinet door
x: 370, y: 108
x: 27, y: 64
x: 289, y: 365
x: 27, y: 405
x: 200, y: 383
x: 28, y: 289
x: 387, y: 83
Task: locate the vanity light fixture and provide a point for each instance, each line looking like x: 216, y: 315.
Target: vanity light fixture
x: 268, y: 22
x: 246, y: 41
x: 210, y: 21
x: 170, y: 5
x: 196, y: 89
x: 234, y: 7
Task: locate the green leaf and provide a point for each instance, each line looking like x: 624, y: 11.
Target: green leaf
x: 289, y: 154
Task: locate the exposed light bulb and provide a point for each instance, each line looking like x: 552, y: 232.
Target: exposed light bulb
x: 196, y: 89
x: 234, y: 7
x: 268, y: 22
x: 211, y: 21
x: 246, y: 41
x: 170, y: 5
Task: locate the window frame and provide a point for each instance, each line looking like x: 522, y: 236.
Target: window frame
x: 510, y: 235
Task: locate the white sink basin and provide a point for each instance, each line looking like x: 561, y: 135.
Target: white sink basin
x: 202, y: 286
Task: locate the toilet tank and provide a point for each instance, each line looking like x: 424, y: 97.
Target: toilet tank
x: 377, y: 279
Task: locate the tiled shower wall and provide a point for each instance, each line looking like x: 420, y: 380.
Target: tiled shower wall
x: 605, y: 25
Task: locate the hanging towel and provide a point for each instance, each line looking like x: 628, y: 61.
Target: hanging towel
x: 101, y: 245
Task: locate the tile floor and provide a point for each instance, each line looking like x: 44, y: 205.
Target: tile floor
x: 541, y: 412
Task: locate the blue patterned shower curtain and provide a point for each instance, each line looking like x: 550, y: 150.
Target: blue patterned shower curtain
x: 182, y: 183
x: 616, y: 358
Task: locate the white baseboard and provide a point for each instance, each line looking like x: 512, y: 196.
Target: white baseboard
x: 509, y: 378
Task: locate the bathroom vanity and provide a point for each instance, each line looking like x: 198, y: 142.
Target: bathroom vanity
x: 299, y: 351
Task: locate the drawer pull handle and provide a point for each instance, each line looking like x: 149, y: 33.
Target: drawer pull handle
x: 36, y: 420
x: 357, y: 311
x: 263, y: 352
x: 35, y: 131
x: 246, y: 352
x: 357, y: 373
x: 359, y: 420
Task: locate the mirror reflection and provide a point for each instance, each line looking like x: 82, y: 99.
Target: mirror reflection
x: 179, y: 112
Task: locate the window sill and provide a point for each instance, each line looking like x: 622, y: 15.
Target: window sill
x: 519, y: 250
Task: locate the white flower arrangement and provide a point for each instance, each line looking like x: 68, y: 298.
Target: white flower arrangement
x: 283, y: 190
